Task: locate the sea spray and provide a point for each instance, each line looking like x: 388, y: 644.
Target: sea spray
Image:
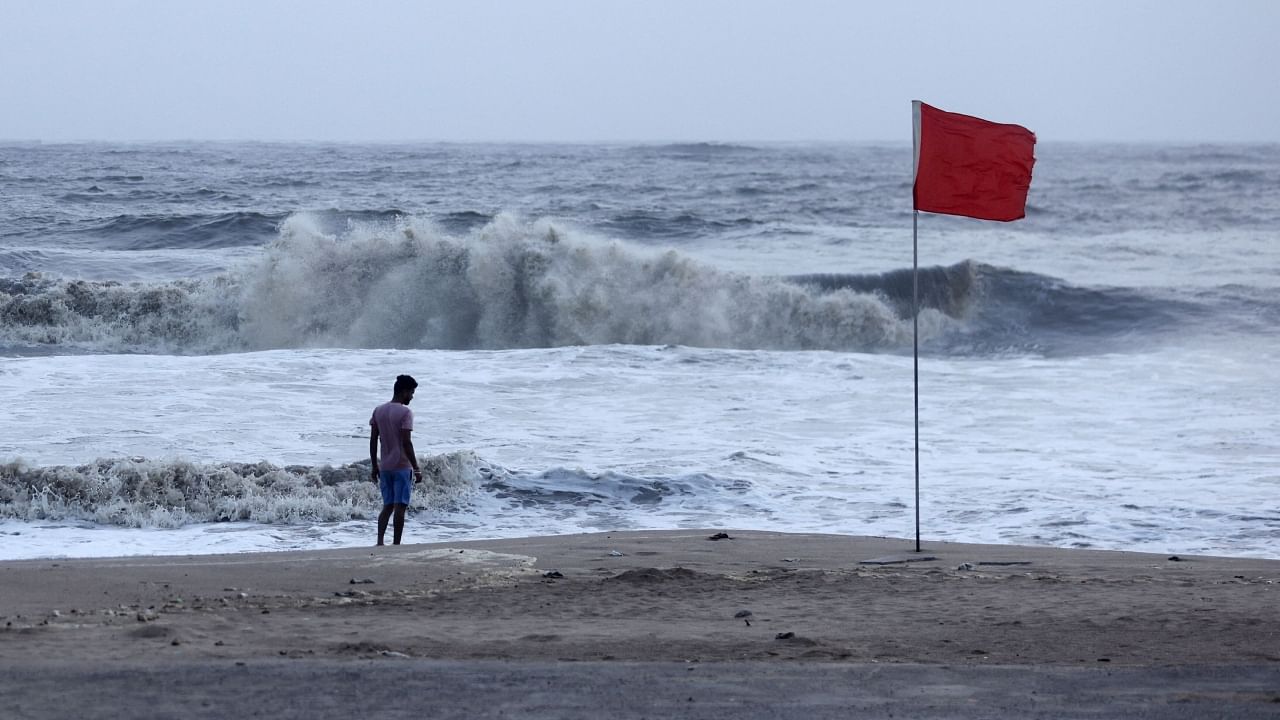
x: 408, y: 284
x: 183, y: 316
x: 405, y: 283
x: 513, y: 284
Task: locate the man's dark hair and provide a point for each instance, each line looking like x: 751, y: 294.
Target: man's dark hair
x: 404, y: 383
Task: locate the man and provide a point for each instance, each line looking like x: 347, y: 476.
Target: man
x: 390, y: 428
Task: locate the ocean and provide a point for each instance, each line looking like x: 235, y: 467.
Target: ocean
x: 614, y: 337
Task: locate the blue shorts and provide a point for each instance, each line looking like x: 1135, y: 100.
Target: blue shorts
x: 395, y: 486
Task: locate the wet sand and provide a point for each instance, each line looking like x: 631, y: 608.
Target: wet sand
x: 651, y: 597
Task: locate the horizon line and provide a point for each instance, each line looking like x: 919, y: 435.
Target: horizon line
x: 618, y: 141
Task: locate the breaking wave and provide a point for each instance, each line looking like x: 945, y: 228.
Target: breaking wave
x: 408, y: 284
x: 136, y: 492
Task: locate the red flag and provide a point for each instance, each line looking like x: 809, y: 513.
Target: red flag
x: 970, y: 166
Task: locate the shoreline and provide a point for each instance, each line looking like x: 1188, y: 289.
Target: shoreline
x: 643, y: 624
x: 651, y: 596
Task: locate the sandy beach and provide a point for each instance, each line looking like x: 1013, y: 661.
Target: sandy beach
x: 650, y: 597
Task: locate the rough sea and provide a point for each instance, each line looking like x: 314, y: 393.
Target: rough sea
x: 608, y: 337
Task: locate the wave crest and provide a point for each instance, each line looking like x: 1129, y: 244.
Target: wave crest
x: 407, y: 284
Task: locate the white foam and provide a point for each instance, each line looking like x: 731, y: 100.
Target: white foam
x: 1099, y: 451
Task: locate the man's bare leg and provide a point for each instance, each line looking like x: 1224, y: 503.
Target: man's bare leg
x: 399, y: 524
x: 383, y: 517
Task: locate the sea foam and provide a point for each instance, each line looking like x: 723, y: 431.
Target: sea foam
x: 137, y: 492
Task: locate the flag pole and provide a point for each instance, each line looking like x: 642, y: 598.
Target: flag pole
x: 963, y: 153
x: 915, y: 353
x: 915, y: 297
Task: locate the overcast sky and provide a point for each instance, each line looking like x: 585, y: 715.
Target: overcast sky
x: 599, y: 70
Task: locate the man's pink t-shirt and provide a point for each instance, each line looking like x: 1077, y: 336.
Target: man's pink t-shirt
x: 390, y: 418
